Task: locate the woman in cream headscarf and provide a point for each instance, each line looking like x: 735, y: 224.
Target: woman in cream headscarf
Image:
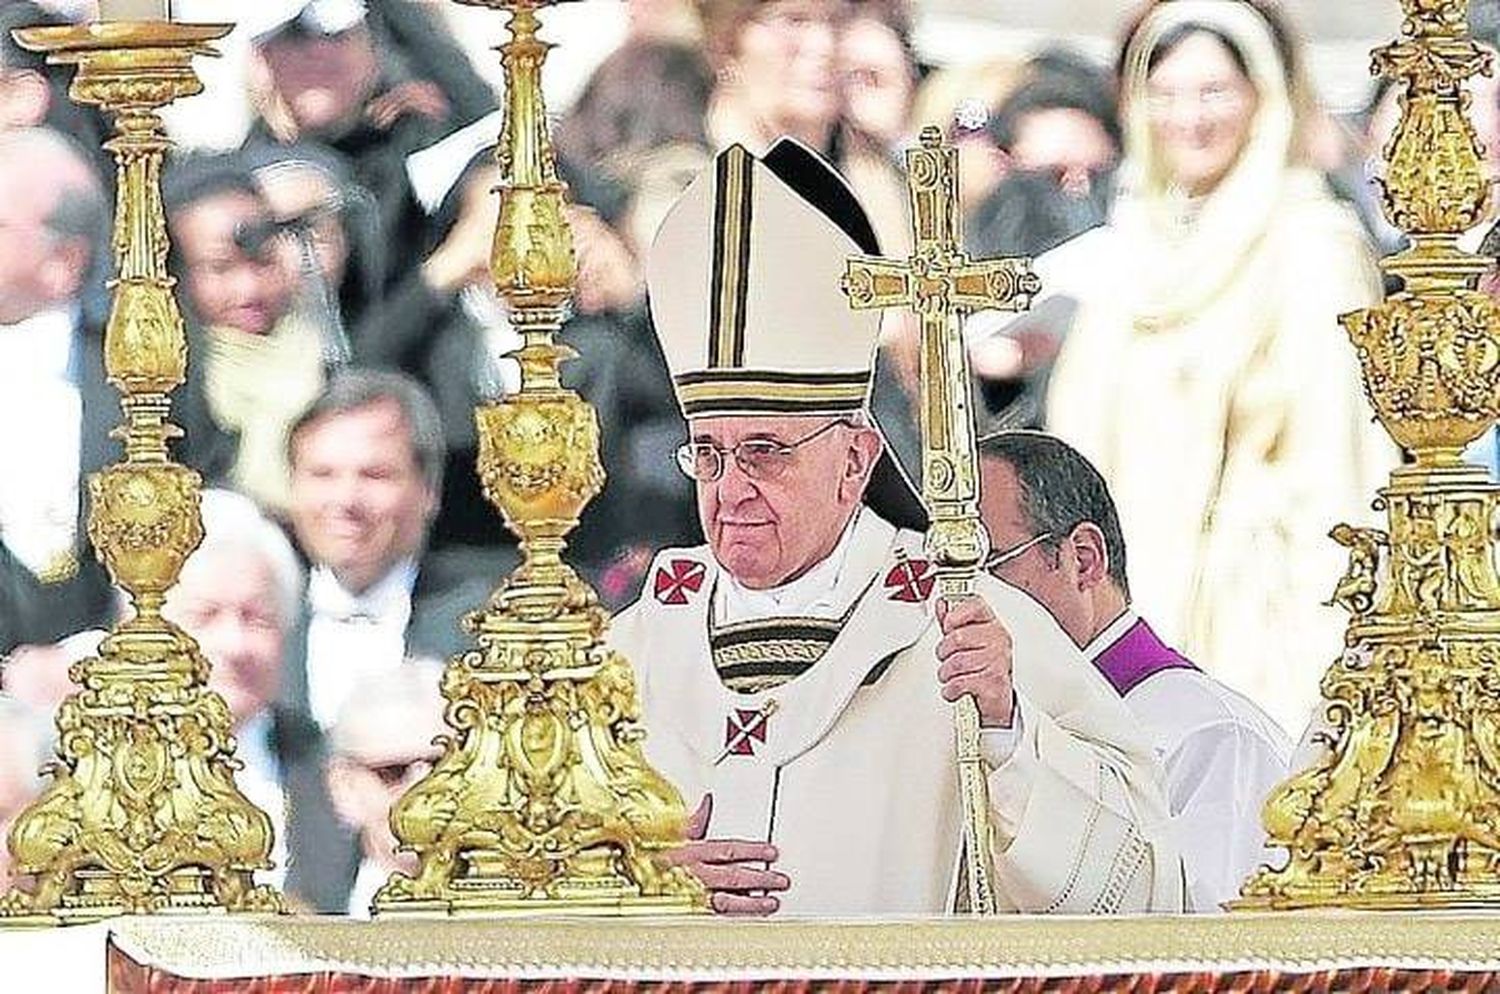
x: 1206, y: 373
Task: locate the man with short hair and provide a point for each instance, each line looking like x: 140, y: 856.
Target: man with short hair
x: 367, y: 461
x: 797, y: 672
x: 1057, y: 537
x: 238, y: 596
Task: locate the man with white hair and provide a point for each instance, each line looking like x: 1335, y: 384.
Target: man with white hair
x: 238, y: 595
x: 381, y: 745
x: 55, y: 216
x: 795, y: 672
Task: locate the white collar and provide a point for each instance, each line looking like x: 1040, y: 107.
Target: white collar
x: 1112, y: 633
x: 253, y: 746
x: 388, y: 595
x: 811, y: 595
x: 41, y: 344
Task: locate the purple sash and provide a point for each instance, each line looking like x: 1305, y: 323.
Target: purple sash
x: 1136, y: 655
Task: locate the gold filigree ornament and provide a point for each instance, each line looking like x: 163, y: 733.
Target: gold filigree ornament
x: 1404, y: 810
x: 543, y: 800
x: 142, y: 814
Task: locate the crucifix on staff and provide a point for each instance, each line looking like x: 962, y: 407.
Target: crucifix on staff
x: 942, y: 285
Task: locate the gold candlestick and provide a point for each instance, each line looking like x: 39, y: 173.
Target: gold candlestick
x: 142, y: 814
x: 543, y: 800
x: 1405, y: 811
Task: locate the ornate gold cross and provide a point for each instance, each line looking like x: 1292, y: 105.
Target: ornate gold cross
x: 942, y: 285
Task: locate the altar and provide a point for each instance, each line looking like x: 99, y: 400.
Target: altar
x: 1314, y: 951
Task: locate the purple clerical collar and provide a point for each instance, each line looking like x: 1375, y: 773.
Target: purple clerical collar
x: 1128, y: 651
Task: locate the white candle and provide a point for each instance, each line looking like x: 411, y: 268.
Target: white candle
x: 135, y: 10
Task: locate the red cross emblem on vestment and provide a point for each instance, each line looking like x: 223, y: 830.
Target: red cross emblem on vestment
x: 911, y: 581
x: 743, y: 730
x: 674, y: 581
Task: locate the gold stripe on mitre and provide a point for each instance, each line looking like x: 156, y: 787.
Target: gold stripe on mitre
x: 746, y: 391
x: 733, y: 217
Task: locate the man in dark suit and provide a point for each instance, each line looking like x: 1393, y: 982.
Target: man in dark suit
x: 54, y: 394
x: 366, y: 461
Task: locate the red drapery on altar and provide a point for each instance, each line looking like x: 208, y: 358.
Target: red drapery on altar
x: 129, y: 977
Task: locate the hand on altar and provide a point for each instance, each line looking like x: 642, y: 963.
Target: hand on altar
x: 736, y: 871
x: 974, y: 657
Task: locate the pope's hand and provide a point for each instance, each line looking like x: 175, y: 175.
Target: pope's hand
x: 735, y: 871
x: 974, y: 654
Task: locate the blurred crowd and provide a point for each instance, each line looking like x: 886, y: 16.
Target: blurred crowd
x: 1201, y: 222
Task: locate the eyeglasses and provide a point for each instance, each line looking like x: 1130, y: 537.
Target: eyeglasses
x: 997, y: 559
x: 761, y: 459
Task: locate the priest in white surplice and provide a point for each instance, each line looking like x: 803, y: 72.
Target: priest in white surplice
x: 1057, y: 536
x: 795, y: 671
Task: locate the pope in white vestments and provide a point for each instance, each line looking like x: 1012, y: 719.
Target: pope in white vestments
x: 796, y: 672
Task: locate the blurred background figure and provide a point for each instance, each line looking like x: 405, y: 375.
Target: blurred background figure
x: 331, y: 242
x: 55, y: 218
x: 374, y: 83
x: 382, y: 744
x: 1206, y: 374
x: 959, y: 100
x: 34, y: 93
x: 239, y: 596
x: 776, y: 63
x: 877, y: 74
x: 1058, y: 138
x: 25, y: 747
x: 262, y: 359
x: 637, y: 134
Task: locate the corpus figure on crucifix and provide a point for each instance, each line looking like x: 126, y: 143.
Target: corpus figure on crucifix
x: 794, y: 671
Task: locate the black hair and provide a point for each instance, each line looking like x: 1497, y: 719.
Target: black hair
x: 1054, y: 90
x: 191, y: 178
x: 1060, y: 490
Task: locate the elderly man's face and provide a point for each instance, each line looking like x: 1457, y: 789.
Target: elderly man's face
x: 227, y: 600
x: 769, y: 526
x: 360, y: 502
x: 37, y: 268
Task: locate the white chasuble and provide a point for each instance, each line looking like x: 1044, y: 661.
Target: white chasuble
x: 848, y: 768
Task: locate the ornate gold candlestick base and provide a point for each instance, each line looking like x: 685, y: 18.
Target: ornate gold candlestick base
x: 1405, y: 811
x: 543, y: 801
x: 142, y: 815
